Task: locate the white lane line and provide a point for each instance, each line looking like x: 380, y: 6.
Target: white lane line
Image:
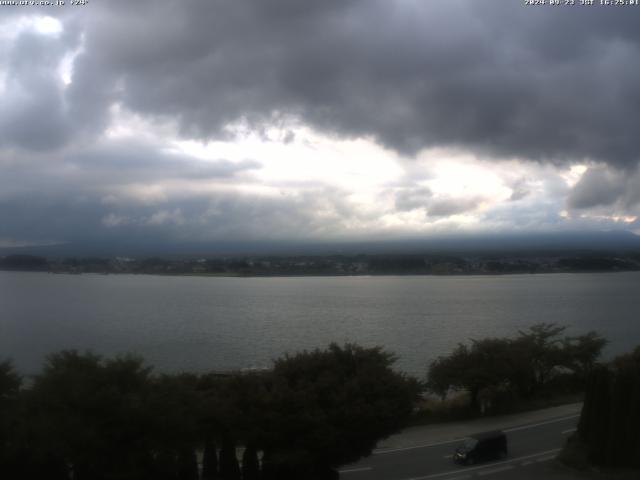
x: 524, y: 427
x: 461, y: 477
x: 545, y: 459
x: 469, y: 469
x: 354, y: 470
x: 495, y: 470
x: 456, y: 440
x: 426, y: 445
x: 569, y: 430
x: 448, y: 456
x: 525, y: 463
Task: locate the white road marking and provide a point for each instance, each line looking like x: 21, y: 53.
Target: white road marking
x: 524, y: 427
x: 528, y: 462
x: 570, y: 430
x: 495, y: 470
x: 456, y: 440
x: 469, y: 469
x: 353, y: 470
x: 448, y: 456
x: 545, y: 459
x: 426, y: 445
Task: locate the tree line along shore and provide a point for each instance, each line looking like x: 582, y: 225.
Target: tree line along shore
x: 428, y: 264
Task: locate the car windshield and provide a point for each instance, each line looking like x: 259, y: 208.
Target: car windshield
x: 469, y: 443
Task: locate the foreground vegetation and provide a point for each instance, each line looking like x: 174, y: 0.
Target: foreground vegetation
x: 88, y: 417
x: 499, y: 375
x: 84, y: 417
x: 608, y: 433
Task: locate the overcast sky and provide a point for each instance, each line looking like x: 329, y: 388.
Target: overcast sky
x: 268, y: 120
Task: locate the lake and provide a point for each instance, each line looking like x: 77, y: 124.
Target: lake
x: 212, y: 323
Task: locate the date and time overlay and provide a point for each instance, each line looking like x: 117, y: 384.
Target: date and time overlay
x: 583, y: 3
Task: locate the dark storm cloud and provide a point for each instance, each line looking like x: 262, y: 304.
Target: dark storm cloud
x: 519, y: 190
x: 108, y: 166
x: 602, y: 186
x: 412, y: 198
x: 541, y: 83
x: 446, y: 207
x: 93, y: 197
x: 179, y: 219
x: 33, y: 110
x: 435, y: 206
x: 130, y: 162
x: 597, y: 187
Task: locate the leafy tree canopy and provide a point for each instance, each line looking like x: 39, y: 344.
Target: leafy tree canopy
x: 332, y: 406
x: 522, y: 365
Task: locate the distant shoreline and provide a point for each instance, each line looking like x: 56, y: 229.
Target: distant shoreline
x: 315, y: 275
x: 335, y: 265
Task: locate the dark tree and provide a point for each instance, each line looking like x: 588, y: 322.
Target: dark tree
x: 443, y: 373
x: 175, y: 406
x: 542, y: 347
x: 328, y: 408
x: 250, y: 464
x: 209, y: 461
x: 483, y: 367
x: 85, y: 417
x: 495, y: 371
x: 165, y: 466
x: 10, y: 383
x: 229, y: 468
x: 24, y: 263
x: 610, y: 421
x: 582, y: 352
x: 187, y: 465
x: 92, y: 415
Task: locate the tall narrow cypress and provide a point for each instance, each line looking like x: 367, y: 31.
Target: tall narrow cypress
x: 250, y: 463
x: 634, y: 421
x: 229, y: 467
x: 610, y: 420
x: 210, y: 461
x: 187, y: 465
x: 166, y: 465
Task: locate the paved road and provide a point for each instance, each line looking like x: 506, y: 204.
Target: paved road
x: 529, y: 446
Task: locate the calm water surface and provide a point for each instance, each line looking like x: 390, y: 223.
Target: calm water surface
x: 200, y: 323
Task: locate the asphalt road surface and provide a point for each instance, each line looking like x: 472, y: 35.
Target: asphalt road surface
x: 529, y: 446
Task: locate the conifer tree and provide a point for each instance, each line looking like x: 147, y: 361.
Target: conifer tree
x: 210, y: 461
x: 229, y: 467
x: 187, y: 465
x: 250, y: 464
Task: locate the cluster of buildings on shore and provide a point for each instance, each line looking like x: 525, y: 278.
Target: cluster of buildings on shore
x: 331, y: 264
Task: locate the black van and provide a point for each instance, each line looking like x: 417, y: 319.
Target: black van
x: 481, y: 447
